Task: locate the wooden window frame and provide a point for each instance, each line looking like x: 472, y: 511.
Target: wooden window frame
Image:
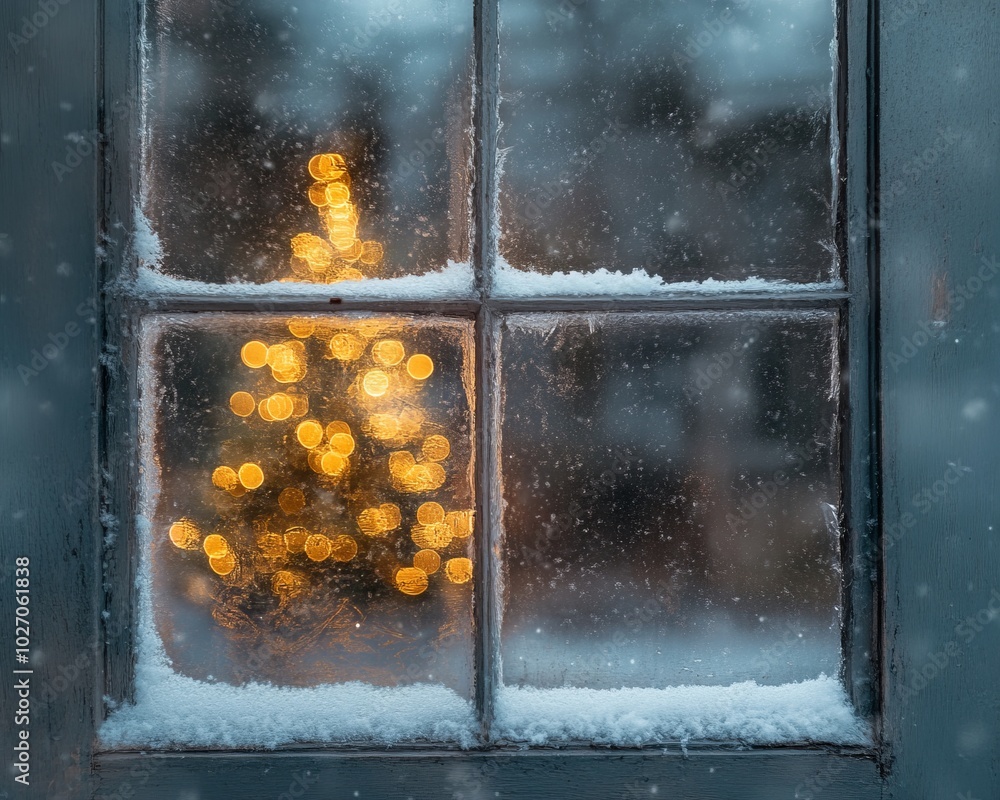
x: 86, y: 550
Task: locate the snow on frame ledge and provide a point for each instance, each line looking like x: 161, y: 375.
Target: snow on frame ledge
x: 453, y: 282
x: 511, y: 282
x: 175, y: 711
x: 813, y: 711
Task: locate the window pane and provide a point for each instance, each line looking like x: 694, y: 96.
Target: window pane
x: 310, y: 495
x: 672, y: 499
x: 243, y: 94
x: 687, y: 139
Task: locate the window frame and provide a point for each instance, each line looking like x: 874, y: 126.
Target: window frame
x: 851, y: 183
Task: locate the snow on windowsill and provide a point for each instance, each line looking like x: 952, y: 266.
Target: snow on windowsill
x: 175, y: 711
x: 810, y: 711
x: 454, y: 281
x: 511, y: 282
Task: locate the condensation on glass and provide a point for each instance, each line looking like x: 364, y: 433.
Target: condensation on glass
x: 671, y: 498
x: 241, y: 95
x: 687, y: 139
x: 309, y: 488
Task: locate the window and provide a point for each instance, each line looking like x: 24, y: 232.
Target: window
x: 510, y: 513
x: 921, y: 422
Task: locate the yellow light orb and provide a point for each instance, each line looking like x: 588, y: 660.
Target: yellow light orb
x: 392, y: 516
x: 430, y: 513
x: 185, y: 534
x: 291, y: 500
x: 215, y: 546
x: 435, y: 475
x: 224, y: 477
x: 324, y: 165
x: 301, y: 327
x: 309, y: 433
x: 458, y: 570
x: 431, y: 537
x: 251, y: 475
x: 427, y: 560
x: 332, y: 463
x: 300, y: 405
x: 222, y: 565
x: 388, y: 352
x: 242, y: 404
x: 337, y: 194
x: 317, y: 194
x: 254, y: 354
x: 345, y: 347
x: 436, y: 448
x: 342, y: 443
x: 411, y: 581
x: 337, y: 426
x: 420, y: 367
x: 371, y: 252
x: 262, y: 410
x: 376, y: 383
x: 401, y: 462
x: 343, y: 548
x: 372, y: 522
x: 287, y: 584
x: 460, y: 522
x: 295, y: 539
x: 280, y: 406
x: 318, y: 547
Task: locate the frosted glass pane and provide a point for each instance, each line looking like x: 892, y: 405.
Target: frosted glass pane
x: 671, y: 495
x: 310, y: 496
x: 689, y: 139
x: 243, y: 94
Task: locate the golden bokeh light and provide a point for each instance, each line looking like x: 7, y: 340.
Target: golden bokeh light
x: 345, y: 347
x: 342, y: 444
x: 436, y: 448
x: 420, y: 367
x: 222, y: 565
x: 371, y: 252
x: 215, y: 546
x: 291, y: 500
x: 325, y: 165
x: 301, y: 327
x: 430, y: 513
x: 458, y: 570
x: 254, y: 354
x: 460, y: 522
x: 225, y: 477
x: 376, y: 383
x: 251, y: 475
x: 242, y: 404
x: 279, y: 406
x: 388, y: 352
x: 318, y: 547
x: 372, y: 522
x: 184, y: 534
x: 309, y: 433
x: 392, y: 515
x: 343, y: 548
x: 295, y: 539
x: 287, y: 584
x: 431, y: 537
x: 332, y: 463
x: 337, y: 426
x: 427, y: 560
x: 411, y: 581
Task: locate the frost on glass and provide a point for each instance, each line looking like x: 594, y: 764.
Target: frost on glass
x: 687, y: 139
x: 671, y: 496
x: 240, y: 97
x: 310, y: 496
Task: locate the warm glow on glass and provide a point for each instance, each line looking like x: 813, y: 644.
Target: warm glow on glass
x: 431, y: 537
x: 343, y: 548
x: 301, y: 327
x: 185, y: 534
x: 420, y: 367
x: 411, y: 581
x: 291, y: 500
x: 436, y: 448
x: 251, y: 476
x: 427, y: 560
x: 430, y: 513
x: 215, y: 546
x: 224, y: 477
x: 254, y: 354
x: 318, y: 547
x: 458, y: 570
x: 295, y: 539
x: 222, y: 565
x: 309, y: 433
x: 346, y: 347
x: 242, y: 404
x: 287, y: 584
x: 376, y: 383
x: 388, y: 352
